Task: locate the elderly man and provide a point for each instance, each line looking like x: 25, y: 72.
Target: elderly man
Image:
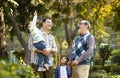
x: 82, y: 51
x: 50, y: 43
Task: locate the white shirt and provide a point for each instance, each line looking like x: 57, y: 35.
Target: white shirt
x: 63, y: 72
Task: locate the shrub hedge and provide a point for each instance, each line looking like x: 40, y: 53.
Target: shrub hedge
x: 15, y: 70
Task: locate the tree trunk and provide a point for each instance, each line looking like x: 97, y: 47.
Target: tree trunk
x: 3, y: 47
x: 68, y: 39
x: 60, y: 40
x: 103, y: 63
x: 70, y: 35
x: 20, y: 38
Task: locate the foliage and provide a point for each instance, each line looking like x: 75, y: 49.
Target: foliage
x: 103, y: 74
x: 105, y: 52
x: 111, y: 71
x: 95, y: 68
x: 113, y: 68
x: 98, y: 74
x: 116, y: 17
x: 116, y: 59
x: 116, y: 56
x: 116, y: 51
x: 14, y: 70
x: 98, y: 61
x: 114, y: 76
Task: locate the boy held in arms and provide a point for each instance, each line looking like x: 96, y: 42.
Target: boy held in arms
x: 38, y: 42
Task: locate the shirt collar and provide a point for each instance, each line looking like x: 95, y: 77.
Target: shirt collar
x: 85, y: 33
x: 44, y: 32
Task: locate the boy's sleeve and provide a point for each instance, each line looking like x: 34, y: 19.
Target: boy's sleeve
x: 56, y: 73
x: 69, y: 72
x: 34, y: 20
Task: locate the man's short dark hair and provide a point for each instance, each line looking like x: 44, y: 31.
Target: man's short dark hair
x: 44, y: 19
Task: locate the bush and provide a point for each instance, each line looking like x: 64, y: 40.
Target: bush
x: 98, y: 74
x: 109, y: 71
x: 109, y: 68
x: 116, y: 59
x: 112, y: 68
x: 103, y: 74
x: 95, y: 68
x: 98, y: 61
x: 12, y: 70
x: 114, y: 76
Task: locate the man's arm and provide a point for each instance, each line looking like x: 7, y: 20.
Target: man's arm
x: 51, y: 50
x: 44, y: 52
x: 31, y: 47
x: 54, y: 47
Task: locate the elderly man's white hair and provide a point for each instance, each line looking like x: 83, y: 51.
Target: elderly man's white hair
x: 86, y: 22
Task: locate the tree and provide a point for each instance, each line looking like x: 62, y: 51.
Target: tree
x: 10, y: 12
x: 116, y: 15
x: 20, y: 38
x: 116, y: 56
x: 104, y: 53
x: 3, y: 44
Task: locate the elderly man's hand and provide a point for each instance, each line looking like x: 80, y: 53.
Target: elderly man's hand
x: 75, y: 62
x: 69, y: 63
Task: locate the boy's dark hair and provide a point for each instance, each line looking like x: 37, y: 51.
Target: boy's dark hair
x: 26, y: 26
x: 64, y: 56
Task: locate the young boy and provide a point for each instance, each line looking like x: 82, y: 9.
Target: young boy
x: 62, y: 70
x: 38, y: 42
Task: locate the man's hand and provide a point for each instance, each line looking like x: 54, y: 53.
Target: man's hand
x: 69, y: 63
x: 52, y: 50
x: 44, y: 52
x: 75, y: 62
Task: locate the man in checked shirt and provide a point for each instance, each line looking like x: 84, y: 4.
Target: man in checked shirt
x: 50, y: 43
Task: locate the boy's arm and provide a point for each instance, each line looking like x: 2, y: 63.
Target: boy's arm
x: 34, y: 19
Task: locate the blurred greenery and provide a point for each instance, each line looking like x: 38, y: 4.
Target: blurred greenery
x: 15, y: 70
